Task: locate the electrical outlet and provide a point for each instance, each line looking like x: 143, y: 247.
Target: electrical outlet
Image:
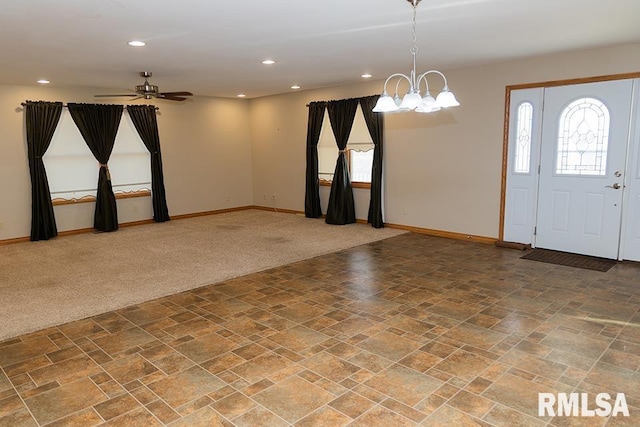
x: 264, y: 196
x: 405, y: 211
x: 273, y: 196
x: 1, y: 225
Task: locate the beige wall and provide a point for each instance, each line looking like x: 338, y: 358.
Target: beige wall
x: 205, y: 148
x: 442, y: 171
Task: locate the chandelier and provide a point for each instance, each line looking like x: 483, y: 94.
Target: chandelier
x: 413, y: 99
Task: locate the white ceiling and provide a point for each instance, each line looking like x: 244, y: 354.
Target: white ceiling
x: 215, y: 47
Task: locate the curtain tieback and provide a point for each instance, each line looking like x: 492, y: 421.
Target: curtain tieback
x: 342, y: 151
x: 106, y: 166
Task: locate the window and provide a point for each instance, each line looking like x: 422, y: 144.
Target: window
x: 73, y: 171
x: 360, y: 165
x: 359, y: 151
x: 583, y: 138
x: 327, y: 151
x: 523, y: 138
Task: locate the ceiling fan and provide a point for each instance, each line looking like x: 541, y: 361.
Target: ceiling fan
x: 148, y: 91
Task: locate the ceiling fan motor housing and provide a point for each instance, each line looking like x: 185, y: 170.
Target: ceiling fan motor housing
x: 146, y: 88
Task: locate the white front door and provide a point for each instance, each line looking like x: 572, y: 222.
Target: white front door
x: 585, y: 134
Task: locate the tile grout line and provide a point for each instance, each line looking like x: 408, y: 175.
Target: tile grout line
x: 20, y: 397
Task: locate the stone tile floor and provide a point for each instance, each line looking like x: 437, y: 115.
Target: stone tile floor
x: 412, y: 330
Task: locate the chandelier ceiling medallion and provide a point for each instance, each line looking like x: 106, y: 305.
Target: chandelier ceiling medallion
x: 413, y: 99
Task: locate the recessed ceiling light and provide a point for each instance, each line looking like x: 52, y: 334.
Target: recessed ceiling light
x: 295, y: 87
x: 44, y: 81
x: 268, y: 62
x: 241, y: 95
x: 137, y: 43
x: 366, y: 76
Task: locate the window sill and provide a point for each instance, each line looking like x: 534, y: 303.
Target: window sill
x: 325, y: 183
x: 89, y: 199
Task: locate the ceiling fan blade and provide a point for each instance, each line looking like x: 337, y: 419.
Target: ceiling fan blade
x: 176, y: 93
x: 170, y: 97
x: 113, y: 96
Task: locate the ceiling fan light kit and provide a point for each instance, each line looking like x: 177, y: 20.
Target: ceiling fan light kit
x: 413, y: 100
x: 148, y: 91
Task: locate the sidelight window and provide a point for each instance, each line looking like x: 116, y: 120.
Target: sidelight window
x: 524, y: 125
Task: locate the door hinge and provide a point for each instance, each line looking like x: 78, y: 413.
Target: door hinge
x: 538, y: 169
x: 535, y: 231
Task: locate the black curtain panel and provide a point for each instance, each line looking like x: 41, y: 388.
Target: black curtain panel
x: 98, y: 125
x: 375, y: 124
x: 41, y: 121
x: 312, y: 208
x: 341, y: 209
x: 144, y: 119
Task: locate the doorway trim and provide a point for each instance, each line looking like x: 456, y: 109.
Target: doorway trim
x: 505, y: 135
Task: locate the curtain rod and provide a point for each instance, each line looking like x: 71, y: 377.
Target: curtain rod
x: 24, y: 104
x: 318, y: 102
x: 346, y: 99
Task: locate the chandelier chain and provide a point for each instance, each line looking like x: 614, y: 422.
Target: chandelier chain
x: 414, y: 47
x: 413, y: 83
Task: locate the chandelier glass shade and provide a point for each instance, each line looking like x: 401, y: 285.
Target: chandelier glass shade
x: 414, y: 100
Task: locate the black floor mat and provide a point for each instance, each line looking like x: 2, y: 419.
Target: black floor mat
x: 570, y: 260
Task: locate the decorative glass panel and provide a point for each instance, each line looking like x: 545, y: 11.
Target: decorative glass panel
x: 583, y: 138
x: 523, y: 138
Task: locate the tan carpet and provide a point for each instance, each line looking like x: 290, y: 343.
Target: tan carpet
x: 68, y: 278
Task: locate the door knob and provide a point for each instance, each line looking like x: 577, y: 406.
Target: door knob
x: 615, y: 186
